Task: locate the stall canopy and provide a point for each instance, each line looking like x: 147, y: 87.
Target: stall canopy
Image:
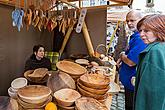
x: 116, y: 16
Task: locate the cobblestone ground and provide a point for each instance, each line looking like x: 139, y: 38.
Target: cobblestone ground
x: 118, y: 100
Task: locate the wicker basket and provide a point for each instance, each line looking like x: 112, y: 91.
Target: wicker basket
x: 101, y: 49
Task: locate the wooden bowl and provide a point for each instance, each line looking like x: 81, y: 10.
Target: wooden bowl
x: 93, y: 91
x: 38, y: 73
x: 59, y: 80
x: 82, y: 61
x: 35, y: 80
x: 19, y: 83
x: 66, y: 97
x: 71, y: 68
x: 95, y: 81
x: 66, y: 108
x: 34, y: 93
x: 88, y: 94
x: 86, y: 103
x: 34, y: 106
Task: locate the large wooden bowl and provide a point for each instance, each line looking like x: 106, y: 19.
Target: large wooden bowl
x: 66, y: 97
x: 93, y: 91
x: 88, y: 94
x: 86, y: 103
x: 71, y: 68
x: 59, y: 80
x: 96, y: 81
x: 34, y: 93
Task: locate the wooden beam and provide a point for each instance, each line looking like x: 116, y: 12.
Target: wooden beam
x: 105, y: 6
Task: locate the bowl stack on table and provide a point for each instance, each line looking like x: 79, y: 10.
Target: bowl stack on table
x: 65, y: 98
x: 73, y: 69
x: 94, y: 85
x: 15, y: 85
x: 34, y: 96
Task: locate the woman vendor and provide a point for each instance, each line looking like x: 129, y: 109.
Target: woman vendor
x: 37, y: 59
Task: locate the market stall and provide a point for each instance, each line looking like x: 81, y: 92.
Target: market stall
x: 98, y: 68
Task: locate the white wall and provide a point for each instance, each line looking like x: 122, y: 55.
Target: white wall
x: 159, y: 5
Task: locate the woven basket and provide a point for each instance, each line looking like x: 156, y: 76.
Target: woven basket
x: 101, y: 49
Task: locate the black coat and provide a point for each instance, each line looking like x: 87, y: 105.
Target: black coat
x: 32, y: 63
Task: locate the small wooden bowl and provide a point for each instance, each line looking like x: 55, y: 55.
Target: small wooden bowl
x: 95, y: 81
x: 19, y: 83
x: 93, y: 91
x: 66, y: 97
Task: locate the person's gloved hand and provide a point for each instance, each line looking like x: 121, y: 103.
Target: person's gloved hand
x: 133, y: 80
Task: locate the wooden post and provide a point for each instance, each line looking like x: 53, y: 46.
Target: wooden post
x: 67, y: 37
x: 88, y: 40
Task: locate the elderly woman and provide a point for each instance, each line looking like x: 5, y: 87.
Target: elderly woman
x: 37, y: 59
x: 150, y: 79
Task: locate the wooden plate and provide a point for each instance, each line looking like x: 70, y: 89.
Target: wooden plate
x: 86, y: 103
x: 71, y: 68
x: 96, y: 81
x: 66, y: 97
x: 93, y: 91
x: 34, y: 93
x: 59, y: 80
x: 82, y: 61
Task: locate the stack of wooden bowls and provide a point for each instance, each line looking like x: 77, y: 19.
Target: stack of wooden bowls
x: 87, y: 103
x: 39, y: 75
x: 73, y: 69
x: 34, y: 97
x: 94, y: 85
x: 60, y: 80
x: 65, y: 98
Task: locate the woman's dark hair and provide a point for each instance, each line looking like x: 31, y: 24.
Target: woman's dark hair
x: 36, y: 47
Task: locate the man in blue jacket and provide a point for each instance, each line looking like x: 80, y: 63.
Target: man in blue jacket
x: 129, y: 59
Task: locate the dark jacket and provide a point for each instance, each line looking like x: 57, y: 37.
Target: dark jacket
x: 32, y: 63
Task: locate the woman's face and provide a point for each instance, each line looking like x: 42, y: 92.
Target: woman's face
x: 40, y: 53
x: 147, y: 35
